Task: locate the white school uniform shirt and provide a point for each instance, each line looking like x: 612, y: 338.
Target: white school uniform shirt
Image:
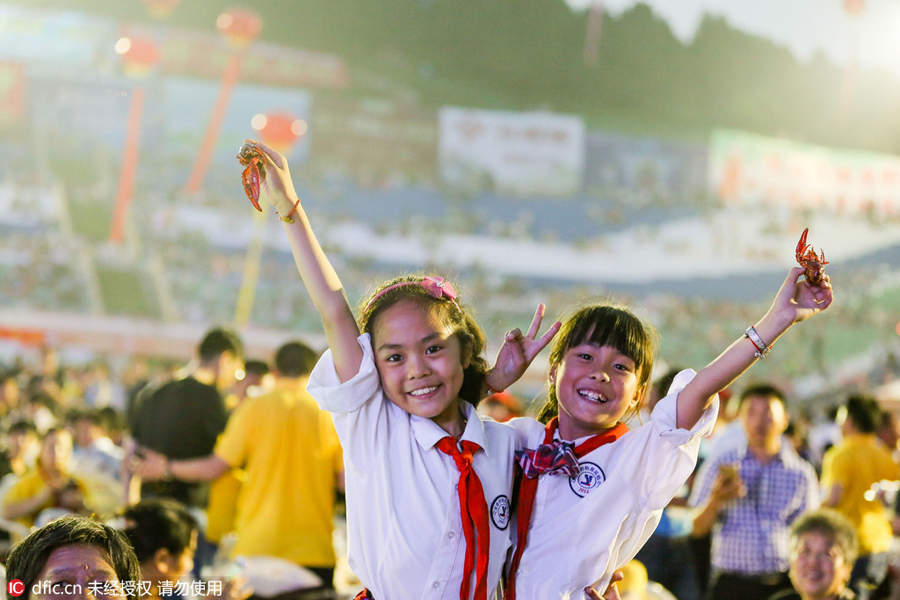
x: 584, y: 528
x: 405, y: 536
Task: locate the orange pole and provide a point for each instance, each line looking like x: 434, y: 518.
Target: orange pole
x: 129, y: 164
x: 229, y: 79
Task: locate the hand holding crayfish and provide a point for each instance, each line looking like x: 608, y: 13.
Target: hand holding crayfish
x: 812, y: 263
x: 267, y: 174
x: 800, y: 299
x: 251, y: 156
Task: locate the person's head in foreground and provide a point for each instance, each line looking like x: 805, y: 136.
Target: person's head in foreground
x: 823, y: 550
x: 68, y: 558
x: 164, y: 536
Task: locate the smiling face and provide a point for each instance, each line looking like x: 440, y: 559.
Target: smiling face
x: 818, y: 569
x: 420, y: 361
x: 595, y: 386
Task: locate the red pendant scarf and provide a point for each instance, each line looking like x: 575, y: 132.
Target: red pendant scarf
x: 527, y: 491
x: 474, y: 513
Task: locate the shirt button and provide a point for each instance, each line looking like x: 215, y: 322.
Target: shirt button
x: 450, y: 535
x: 436, y: 584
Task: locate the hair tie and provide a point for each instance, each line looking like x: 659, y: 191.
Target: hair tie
x: 435, y: 286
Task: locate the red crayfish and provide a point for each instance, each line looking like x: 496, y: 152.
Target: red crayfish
x: 255, y: 172
x: 813, y: 263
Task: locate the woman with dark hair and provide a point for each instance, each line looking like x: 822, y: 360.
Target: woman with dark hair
x: 68, y: 552
x: 823, y: 550
x: 163, y: 534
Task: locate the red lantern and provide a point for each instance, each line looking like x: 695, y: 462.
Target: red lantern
x: 139, y: 54
x: 854, y: 7
x: 279, y: 130
x: 161, y: 8
x: 240, y: 26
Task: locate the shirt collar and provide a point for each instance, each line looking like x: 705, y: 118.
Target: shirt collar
x: 783, y: 452
x: 428, y: 433
x: 290, y: 383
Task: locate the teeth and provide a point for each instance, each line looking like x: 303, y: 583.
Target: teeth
x: 591, y: 395
x: 423, y: 391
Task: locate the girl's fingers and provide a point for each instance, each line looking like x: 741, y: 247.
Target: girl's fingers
x: 273, y: 155
x: 592, y: 593
x: 536, y: 321
x: 790, y: 282
x: 545, y: 339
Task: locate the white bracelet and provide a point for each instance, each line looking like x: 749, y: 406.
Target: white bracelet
x: 762, y: 349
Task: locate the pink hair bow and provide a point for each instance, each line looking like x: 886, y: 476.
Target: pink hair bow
x: 437, y: 287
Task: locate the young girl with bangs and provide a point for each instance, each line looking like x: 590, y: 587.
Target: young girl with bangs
x: 589, y: 491
x: 427, y: 481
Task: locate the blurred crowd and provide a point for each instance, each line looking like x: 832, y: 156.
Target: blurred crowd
x: 204, y: 455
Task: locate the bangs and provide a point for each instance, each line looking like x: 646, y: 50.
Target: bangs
x: 604, y: 325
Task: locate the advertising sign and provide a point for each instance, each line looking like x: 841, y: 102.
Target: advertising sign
x: 523, y: 154
x: 748, y: 169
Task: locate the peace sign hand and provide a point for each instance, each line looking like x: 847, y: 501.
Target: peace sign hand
x: 518, y: 351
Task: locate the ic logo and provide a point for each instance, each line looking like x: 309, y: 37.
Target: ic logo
x: 15, y: 587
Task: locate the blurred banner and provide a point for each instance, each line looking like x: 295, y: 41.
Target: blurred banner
x: 748, y: 169
x: 204, y: 55
x: 12, y: 95
x: 54, y: 39
x: 92, y: 113
x: 23, y: 335
x: 643, y: 170
x: 522, y: 154
x: 77, y: 43
x: 381, y: 142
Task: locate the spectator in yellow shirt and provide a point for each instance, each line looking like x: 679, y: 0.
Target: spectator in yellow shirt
x: 292, y: 458
x: 848, y: 470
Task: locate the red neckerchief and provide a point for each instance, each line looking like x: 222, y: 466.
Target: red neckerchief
x: 527, y: 491
x: 474, y: 512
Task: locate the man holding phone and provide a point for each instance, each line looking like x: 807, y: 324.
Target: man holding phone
x: 748, y: 498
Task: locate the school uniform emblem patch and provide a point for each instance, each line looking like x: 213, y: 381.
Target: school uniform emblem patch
x: 589, y: 478
x: 500, y: 512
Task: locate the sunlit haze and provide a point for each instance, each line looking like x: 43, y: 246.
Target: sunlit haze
x: 803, y: 26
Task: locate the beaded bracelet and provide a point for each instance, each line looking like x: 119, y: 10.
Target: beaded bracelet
x: 762, y: 349
x: 287, y: 218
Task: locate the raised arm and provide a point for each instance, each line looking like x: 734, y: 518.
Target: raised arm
x: 318, y: 275
x: 796, y: 301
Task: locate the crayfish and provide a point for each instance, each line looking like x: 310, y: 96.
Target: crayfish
x: 255, y: 172
x: 813, y: 263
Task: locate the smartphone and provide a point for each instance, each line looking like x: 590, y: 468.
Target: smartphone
x: 729, y: 471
